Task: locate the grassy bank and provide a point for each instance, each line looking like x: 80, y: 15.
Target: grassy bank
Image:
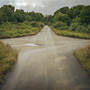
x: 83, y: 55
x: 11, y: 30
x: 8, y: 57
x: 71, y: 33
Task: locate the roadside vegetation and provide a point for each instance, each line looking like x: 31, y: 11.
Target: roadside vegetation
x: 71, y: 34
x: 8, y: 57
x: 17, y: 23
x: 11, y: 30
x: 73, y: 22
x: 83, y: 55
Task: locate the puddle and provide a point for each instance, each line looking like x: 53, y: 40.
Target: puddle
x: 31, y: 44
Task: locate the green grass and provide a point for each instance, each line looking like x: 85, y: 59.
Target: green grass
x: 11, y: 30
x: 71, y: 33
x: 83, y: 55
x: 8, y: 57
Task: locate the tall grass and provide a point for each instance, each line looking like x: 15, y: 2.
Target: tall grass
x: 71, y: 33
x: 10, y: 30
x: 83, y: 55
x: 8, y: 57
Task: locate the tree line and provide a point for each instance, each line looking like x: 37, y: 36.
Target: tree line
x: 9, y: 14
x: 76, y: 18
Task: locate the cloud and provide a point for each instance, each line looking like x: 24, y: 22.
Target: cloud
x: 43, y: 6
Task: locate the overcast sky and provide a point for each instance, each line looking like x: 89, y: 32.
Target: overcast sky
x: 43, y: 6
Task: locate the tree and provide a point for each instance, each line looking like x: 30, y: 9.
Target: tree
x: 61, y: 17
x: 48, y: 19
x: 75, y: 11
x: 36, y: 16
x: 19, y: 15
x: 85, y: 15
x: 3, y: 18
x: 7, y: 11
x: 63, y: 10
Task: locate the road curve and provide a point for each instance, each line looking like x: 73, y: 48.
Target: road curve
x: 46, y: 62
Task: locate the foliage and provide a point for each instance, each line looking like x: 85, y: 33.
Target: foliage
x: 60, y: 25
x: 36, y: 24
x: 89, y: 28
x: 9, y: 30
x: 19, y: 15
x: 77, y: 19
x: 63, y: 10
x: 71, y: 33
x: 85, y: 15
x: 75, y: 11
x: 78, y: 28
x: 61, y: 17
x: 16, y: 23
x: 8, y: 57
x: 6, y: 13
x: 48, y: 19
x: 9, y: 14
x: 83, y: 55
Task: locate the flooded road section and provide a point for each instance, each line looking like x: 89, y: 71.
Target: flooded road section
x: 46, y: 62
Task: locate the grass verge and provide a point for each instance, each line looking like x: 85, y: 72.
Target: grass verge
x: 71, y: 34
x: 8, y: 57
x: 12, y: 30
x: 83, y: 55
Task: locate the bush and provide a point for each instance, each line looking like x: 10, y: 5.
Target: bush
x: 73, y: 26
x: 71, y: 33
x: 9, y: 30
x: 83, y: 55
x: 89, y: 28
x: 60, y: 25
x: 36, y: 24
x: 81, y: 28
x: 62, y: 17
x: 85, y: 15
x: 78, y: 28
x: 8, y: 57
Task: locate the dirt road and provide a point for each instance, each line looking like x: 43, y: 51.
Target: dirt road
x: 46, y: 62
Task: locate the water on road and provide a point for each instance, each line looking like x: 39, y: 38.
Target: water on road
x: 46, y: 62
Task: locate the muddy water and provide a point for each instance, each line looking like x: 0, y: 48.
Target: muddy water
x: 46, y: 62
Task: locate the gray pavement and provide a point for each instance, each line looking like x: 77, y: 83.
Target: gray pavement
x: 46, y: 62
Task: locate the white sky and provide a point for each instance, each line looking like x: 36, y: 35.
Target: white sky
x: 43, y: 6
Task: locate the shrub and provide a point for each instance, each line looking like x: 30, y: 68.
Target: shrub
x: 89, y: 28
x: 8, y: 57
x: 83, y: 55
x: 85, y: 15
x: 60, y: 25
x: 9, y: 30
x: 81, y: 28
x: 73, y: 26
x: 62, y: 17
x: 78, y: 28
x: 36, y: 24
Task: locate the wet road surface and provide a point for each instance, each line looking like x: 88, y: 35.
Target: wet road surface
x: 46, y: 62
